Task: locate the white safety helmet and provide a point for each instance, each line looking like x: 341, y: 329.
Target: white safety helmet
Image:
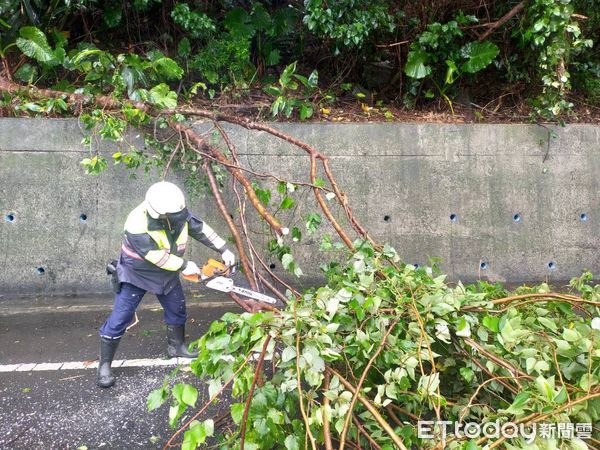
x: 164, y: 198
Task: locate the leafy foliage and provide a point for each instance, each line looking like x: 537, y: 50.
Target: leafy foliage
x: 461, y: 343
x: 439, y: 56
x: 348, y: 22
x: 231, y: 49
x: 557, y: 38
x: 286, y: 98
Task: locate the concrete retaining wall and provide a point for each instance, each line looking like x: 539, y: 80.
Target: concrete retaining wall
x: 501, y: 202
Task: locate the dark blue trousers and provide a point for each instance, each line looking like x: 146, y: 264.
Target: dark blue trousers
x: 128, y: 299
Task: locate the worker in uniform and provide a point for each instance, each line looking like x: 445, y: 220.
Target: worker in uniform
x: 151, y: 258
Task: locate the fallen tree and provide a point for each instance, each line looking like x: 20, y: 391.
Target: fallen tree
x: 381, y: 347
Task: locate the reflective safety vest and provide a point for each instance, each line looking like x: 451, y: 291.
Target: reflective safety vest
x: 168, y: 252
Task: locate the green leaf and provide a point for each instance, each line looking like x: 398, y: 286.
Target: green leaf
x: 264, y: 195
x: 416, y: 64
x: 561, y: 397
x: 463, y: 329
x: 156, y: 398
x: 470, y: 445
x: 288, y: 354
x: 190, y: 395
x: 312, y: 222
x: 27, y: 73
x: 518, y: 405
x: 168, y: 68
x: 479, y: 55
x: 491, y: 323
x: 276, y: 416
x: 467, y: 373
x: 296, y: 234
x: 161, y: 95
x: 34, y: 44
x: 237, y: 412
x: 175, y: 412
x: 306, y: 111
x: 287, y: 260
x: 450, y: 73
x: 286, y: 203
x: 291, y: 442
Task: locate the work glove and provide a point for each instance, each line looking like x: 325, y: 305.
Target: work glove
x: 191, y: 269
x: 228, y: 258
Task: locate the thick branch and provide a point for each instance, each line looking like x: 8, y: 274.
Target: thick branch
x: 509, y: 15
x: 234, y: 231
x: 251, y: 393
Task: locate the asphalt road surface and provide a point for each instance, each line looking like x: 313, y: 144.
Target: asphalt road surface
x: 57, y: 405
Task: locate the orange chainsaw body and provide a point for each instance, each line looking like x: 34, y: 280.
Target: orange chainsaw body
x: 210, y: 269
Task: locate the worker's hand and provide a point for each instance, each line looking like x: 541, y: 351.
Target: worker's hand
x: 228, y: 258
x: 191, y: 269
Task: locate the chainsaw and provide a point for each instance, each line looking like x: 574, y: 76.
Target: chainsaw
x: 217, y: 275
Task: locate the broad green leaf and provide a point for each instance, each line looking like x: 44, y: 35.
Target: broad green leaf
x: 491, y: 323
x: 162, y: 96
x: 156, y: 398
x: 479, y: 55
x: 168, y: 68
x: 288, y: 354
x: 416, y: 64
x: 291, y: 442
x: 34, y: 44
x: 189, y: 395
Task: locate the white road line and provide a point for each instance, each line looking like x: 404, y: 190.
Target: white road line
x: 82, y: 365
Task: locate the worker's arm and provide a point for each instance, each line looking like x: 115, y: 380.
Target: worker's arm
x: 144, y: 246
x: 202, y: 232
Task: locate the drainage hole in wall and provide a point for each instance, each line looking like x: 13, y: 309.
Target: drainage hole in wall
x: 9, y: 218
x: 483, y: 266
x: 583, y: 217
x: 416, y: 266
x: 386, y: 218
x: 551, y: 265
x: 517, y: 218
x: 40, y: 271
x: 453, y: 217
x: 272, y: 266
x: 83, y: 217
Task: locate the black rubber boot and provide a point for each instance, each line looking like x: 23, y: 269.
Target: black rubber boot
x: 175, y: 338
x: 108, y: 347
